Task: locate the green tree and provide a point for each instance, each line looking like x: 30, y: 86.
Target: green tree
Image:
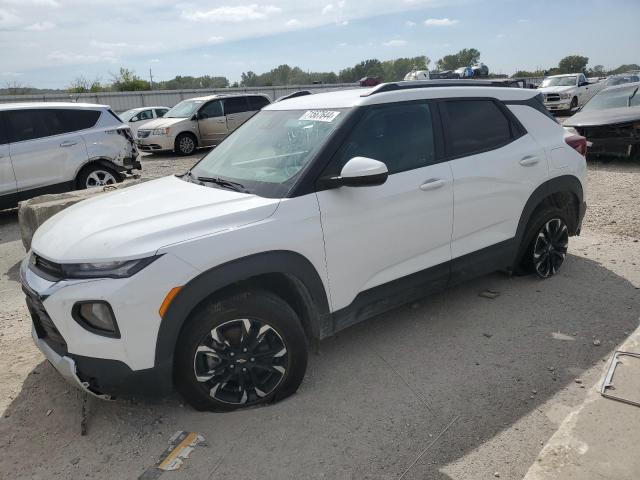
x: 625, y: 68
x: 463, y: 58
x: 573, y: 64
x: 127, y: 81
x: 82, y: 85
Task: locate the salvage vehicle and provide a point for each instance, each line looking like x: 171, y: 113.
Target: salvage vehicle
x: 369, y: 81
x: 565, y: 93
x: 319, y: 212
x: 59, y: 147
x: 611, y: 122
x: 137, y: 117
x: 614, y: 80
x: 199, y: 122
x: 415, y: 75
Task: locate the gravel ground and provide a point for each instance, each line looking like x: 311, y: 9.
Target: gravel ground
x: 454, y: 387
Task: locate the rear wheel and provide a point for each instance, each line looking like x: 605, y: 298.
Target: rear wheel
x: 245, y: 350
x: 185, y: 144
x: 546, y: 242
x: 97, y: 176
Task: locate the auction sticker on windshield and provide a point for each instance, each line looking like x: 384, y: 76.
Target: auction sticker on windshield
x: 319, y: 115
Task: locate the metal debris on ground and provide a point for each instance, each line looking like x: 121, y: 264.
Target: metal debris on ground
x: 491, y: 294
x: 181, y: 444
x: 627, y: 377
x: 596, y: 343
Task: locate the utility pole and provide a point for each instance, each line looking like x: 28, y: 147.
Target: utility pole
x: 150, y: 79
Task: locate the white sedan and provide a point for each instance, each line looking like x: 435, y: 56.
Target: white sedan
x: 137, y: 117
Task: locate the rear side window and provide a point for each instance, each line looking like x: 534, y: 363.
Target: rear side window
x: 31, y: 124
x: 475, y: 126
x: 400, y: 135
x: 235, y: 105
x: 257, y: 102
x: 160, y: 112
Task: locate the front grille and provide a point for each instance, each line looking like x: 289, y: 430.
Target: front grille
x: 144, y: 133
x: 47, y: 269
x: 553, y: 97
x: 44, y: 326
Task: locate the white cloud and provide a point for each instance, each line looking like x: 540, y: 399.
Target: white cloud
x: 40, y: 26
x: 11, y: 74
x: 215, y: 39
x: 440, y: 22
x: 328, y: 9
x: 108, y: 45
x: 409, y: 23
x: 8, y: 19
x: 72, y: 58
x: 500, y: 35
x: 154, y: 60
x: 294, y: 23
x: 234, y: 14
x: 394, y: 43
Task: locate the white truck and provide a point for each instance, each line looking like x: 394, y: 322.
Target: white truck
x: 567, y: 92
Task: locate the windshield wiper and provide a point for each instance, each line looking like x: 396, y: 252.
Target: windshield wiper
x: 631, y: 97
x: 238, y: 187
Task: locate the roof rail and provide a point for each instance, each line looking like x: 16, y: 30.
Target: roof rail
x: 393, y: 86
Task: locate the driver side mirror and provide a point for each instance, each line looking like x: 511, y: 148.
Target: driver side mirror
x: 134, y: 119
x: 196, y: 116
x: 359, y: 172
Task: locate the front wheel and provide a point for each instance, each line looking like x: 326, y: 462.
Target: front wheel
x: 547, y: 241
x: 245, y: 350
x: 574, y: 104
x: 185, y: 144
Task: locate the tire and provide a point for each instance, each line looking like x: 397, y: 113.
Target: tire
x: 186, y: 144
x: 545, y: 243
x: 574, y: 104
x: 97, y: 176
x: 245, y: 350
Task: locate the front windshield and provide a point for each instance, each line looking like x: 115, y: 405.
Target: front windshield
x: 559, y: 81
x: 184, y: 109
x: 612, y: 81
x: 267, y: 153
x: 615, y: 98
x: 126, y: 116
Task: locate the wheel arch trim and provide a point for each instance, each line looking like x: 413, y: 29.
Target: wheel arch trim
x: 206, y: 284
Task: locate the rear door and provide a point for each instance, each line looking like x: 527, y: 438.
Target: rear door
x: 496, y: 166
x: 46, y: 148
x: 237, y: 111
x: 7, y: 177
x: 212, y: 123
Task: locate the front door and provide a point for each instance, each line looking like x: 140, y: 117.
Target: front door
x: 377, y: 234
x: 212, y: 123
x: 7, y: 177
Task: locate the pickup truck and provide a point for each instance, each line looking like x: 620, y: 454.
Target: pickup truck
x: 567, y: 92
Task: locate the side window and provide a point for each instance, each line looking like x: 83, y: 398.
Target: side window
x: 256, y: 102
x: 211, y: 110
x: 475, y: 126
x: 3, y: 129
x: 145, y: 115
x: 160, y: 112
x: 235, y: 105
x: 30, y: 124
x: 74, y: 120
x: 400, y: 135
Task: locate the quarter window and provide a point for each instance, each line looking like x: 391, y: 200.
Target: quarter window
x: 160, y: 112
x: 475, y: 126
x: 257, y: 102
x: 235, y: 105
x: 400, y: 135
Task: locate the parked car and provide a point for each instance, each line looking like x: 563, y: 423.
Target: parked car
x: 199, y: 122
x: 320, y: 212
x: 137, y: 117
x: 369, y: 81
x: 480, y: 70
x: 565, y: 93
x: 620, y: 79
x: 611, y: 121
x: 416, y: 75
x: 299, y: 93
x: 444, y: 74
x: 58, y: 147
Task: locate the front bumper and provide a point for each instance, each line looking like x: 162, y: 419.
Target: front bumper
x: 558, y: 106
x: 155, y: 143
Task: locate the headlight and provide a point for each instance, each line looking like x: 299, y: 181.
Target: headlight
x: 571, y: 130
x: 121, y: 269
x: 161, y: 131
x: 565, y: 96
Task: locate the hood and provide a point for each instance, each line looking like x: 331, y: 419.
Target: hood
x: 163, y: 122
x: 556, y: 89
x: 136, y: 221
x: 608, y: 116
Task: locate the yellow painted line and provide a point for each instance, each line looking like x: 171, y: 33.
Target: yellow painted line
x: 187, y: 441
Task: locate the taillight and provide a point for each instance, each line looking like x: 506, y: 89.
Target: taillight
x: 578, y: 143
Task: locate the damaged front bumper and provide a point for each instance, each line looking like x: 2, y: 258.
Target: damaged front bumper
x: 615, y: 140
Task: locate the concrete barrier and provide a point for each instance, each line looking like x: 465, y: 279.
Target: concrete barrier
x: 34, y: 212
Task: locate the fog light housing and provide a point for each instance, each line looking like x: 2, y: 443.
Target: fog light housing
x: 97, y: 317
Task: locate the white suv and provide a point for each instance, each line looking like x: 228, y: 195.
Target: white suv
x: 319, y: 212
x: 58, y: 147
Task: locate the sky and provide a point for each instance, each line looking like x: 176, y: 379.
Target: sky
x: 49, y: 43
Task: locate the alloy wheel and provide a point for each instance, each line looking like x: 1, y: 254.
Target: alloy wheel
x: 550, y: 248
x: 241, y: 361
x: 100, y: 178
x: 186, y: 145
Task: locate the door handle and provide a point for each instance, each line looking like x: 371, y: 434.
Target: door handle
x: 529, y: 161
x: 432, y: 184
x: 68, y: 143
x: 230, y: 118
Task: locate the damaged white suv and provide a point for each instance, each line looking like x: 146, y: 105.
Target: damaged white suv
x: 317, y: 213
